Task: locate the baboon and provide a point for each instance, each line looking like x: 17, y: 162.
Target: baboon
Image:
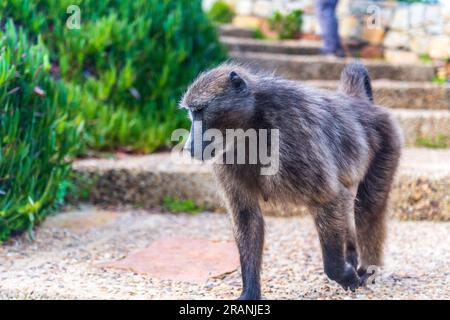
x: 338, y: 153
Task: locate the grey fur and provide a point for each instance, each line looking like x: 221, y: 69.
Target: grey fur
x: 355, y: 81
x: 338, y: 156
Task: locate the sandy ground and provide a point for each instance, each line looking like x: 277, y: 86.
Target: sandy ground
x: 62, y: 261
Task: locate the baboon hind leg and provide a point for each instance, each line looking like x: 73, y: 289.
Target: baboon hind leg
x: 371, y: 207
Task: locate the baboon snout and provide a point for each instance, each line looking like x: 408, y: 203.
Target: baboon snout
x: 189, y: 145
x: 194, y: 143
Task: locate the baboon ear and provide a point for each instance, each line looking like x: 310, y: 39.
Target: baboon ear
x: 236, y: 81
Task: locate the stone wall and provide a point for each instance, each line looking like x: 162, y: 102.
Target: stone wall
x: 264, y: 8
x: 406, y: 31
x: 422, y: 29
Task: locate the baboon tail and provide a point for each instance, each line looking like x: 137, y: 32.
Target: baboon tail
x: 355, y: 81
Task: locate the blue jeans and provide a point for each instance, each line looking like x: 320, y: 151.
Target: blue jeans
x: 329, y: 25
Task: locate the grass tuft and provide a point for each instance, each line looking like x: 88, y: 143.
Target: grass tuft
x: 175, y: 205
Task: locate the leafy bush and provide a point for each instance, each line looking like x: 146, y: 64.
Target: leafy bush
x: 221, y: 12
x: 287, y: 26
x: 132, y: 59
x: 259, y: 34
x: 38, y: 131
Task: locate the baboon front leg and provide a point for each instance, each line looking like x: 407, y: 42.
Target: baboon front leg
x: 338, y: 241
x: 352, y: 249
x: 249, y: 234
x: 352, y: 253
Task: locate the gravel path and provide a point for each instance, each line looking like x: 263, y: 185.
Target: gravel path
x: 60, y: 263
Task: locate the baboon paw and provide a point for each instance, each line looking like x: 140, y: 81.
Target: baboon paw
x: 349, y: 279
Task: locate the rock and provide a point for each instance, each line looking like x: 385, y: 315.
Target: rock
x: 447, y: 27
x: 373, y: 34
x: 250, y: 22
x: 446, y: 10
x: 357, y: 8
x: 310, y: 24
x: 308, y: 6
x: 350, y: 27
x: 311, y: 37
x: 419, y: 42
x: 432, y: 13
x: 417, y: 14
x: 378, y: 16
x: 387, y: 14
x: 343, y: 8
x: 439, y: 47
x: 265, y: 8
x: 396, y: 40
x: 401, y: 57
x: 436, y: 28
x: 400, y: 20
x: 244, y: 7
x: 371, y: 52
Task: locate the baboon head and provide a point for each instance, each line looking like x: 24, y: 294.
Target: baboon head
x: 218, y: 99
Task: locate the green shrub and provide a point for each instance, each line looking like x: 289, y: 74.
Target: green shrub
x: 181, y: 205
x: 425, y: 58
x: 221, y: 12
x: 287, y: 26
x: 259, y: 34
x: 132, y: 60
x: 38, y: 131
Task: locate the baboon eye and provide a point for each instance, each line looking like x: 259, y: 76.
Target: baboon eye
x: 197, y: 108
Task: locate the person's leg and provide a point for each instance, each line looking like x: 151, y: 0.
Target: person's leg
x: 329, y: 25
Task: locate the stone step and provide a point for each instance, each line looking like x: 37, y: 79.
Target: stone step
x: 303, y: 47
x: 228, y: 30
x: 329, y: 68
x: 421, y: 127
x: 420, y: 191
x: 292, y: 47
x: 401, y: 94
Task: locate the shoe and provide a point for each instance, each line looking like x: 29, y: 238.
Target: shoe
x: 339, y: 53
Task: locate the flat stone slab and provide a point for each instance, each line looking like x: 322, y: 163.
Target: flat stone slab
x: 63, y: 264
x: 181, y: 259
x: 298, y: 47
x: 420, y: 190
x: 329, y: 68
x: 401, y: 94
x: 233, y: 31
